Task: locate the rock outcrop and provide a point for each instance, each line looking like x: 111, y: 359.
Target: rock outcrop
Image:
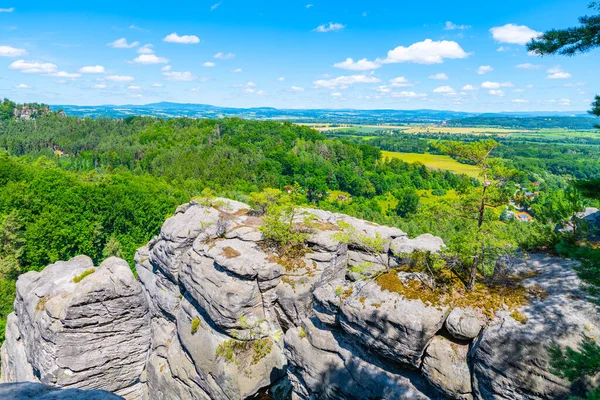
x: 38, y: 391
x: 218, y: 313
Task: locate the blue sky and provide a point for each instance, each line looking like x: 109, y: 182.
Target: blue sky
x: 455, y: 55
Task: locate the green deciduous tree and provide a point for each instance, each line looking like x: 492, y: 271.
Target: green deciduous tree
x: 477, y: 202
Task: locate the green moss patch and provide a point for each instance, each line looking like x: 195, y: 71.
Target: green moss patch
x: 85, y: 273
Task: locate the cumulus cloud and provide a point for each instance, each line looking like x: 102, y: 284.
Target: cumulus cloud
x: 469, y: 88
x: 9, y: 51
x: 558, y: 73
x: 336, y: 94
x: 157, y: 85
x: 444, y: 89
x: 7, y: 10
x: 426, y: 52
x: 496, y: 85
x: 565, y: 102
x: 134, y: 87
x: 400, y: 82
x: 185, y: 39
x: 92, y: 69
x: 166, y: 68
x: 359, y: 65
x: 99, y: 86
x: 122, y: 44
x: 297, y: 89
x: 22, y: 86
x: 484, y: 69
x: 149, y: 59
x: 405, y: 94
x: 528, y: 66
x: 450, y: 26
x: 179, y: 76
x: 330, y: 27
x: 515, y: 34
x: 439, y: 76
x: 209, y: 64
x: 120, y: 78
x: 520, y: 101
x: 224, y: 56
x: 496, y: 92
x: 33, y: 67
x: 345, y: 81
x: 63, y: 74
x: 281, y: 79
x: 146, y: 49
x: 503, y: 48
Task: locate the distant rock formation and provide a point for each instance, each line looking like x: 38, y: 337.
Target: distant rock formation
x: 218, y: 314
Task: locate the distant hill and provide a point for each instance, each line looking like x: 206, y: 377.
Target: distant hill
x: 339, y: 116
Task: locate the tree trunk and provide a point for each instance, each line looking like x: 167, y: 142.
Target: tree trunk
x: 479, y: 255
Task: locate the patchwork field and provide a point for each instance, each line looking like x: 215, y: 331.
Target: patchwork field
x: 435, y: 161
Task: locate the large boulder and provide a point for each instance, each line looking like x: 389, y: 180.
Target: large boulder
x: 510, y: 358
x: 80, y: 326
x: 30, y: 390
x: 446, y: 367
x: 389, y: 324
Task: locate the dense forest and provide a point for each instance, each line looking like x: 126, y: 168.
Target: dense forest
x: 524, y: 122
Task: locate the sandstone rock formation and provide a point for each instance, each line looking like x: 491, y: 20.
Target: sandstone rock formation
x: 38, y: 391
x: 217, y: 313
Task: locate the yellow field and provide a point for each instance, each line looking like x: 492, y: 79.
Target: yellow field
x: 434, y: 161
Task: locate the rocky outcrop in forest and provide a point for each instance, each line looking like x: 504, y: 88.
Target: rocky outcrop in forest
x: 219, y: 313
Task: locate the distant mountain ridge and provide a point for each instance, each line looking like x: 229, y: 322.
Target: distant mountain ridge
x: 332, y: 116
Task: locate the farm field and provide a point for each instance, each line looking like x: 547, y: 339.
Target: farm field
x: 435, y: 161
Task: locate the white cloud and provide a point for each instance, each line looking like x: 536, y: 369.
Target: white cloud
x: 558, y: 73
x: 209, y: 64
x: 9, y: 51
x: 185, y: 39
x: 515, y: 34
x: 215, y: 6
x: 33, y: 67
x: 149, y: 59
x: 400, y: 82
x: 528, y: 66
x: 426, y: 52
x: 310, y: 5
x: 99, y: 86
x: 405, y: 94
x: 503, y: 48
x: 63, y: 74
x: 92, y: 69
x: 530, y: 86
x: 444, y: 89
x: 574, y: 84
x: 122, y: 44
x: 281, y: 79
x: 297, y: 89
x: 384, y: 89
x: 565, y: 102
x: 137, y: 28
x: 7, y: 10
x: 157, y: 85
x: 22, y: 86
x: 166, y: 68
x: 439, y: 76
x: 345, y: 81
x: 134, y: 87
x: 246, y: 85
x: 520, y: 101
x: 469, y: 88
x: 496, y: 85
x: 484, y: 69
x: 237, y: 70
x: 224, y: 56
x: 496, y: 92
x: 359, y: 65
x: 179, y: 76
x: 331, y: 27
x: 451, y: 26
x: 120, y: 78
x: 146, y: 49
x: 336, y: 94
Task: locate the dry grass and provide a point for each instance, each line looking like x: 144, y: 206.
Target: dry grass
x: 434, y: 161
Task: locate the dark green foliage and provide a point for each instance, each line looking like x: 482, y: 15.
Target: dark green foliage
x: 570, y: 41
x: 408, y: 201
x: 589, y: 188
x: 575, y: 364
